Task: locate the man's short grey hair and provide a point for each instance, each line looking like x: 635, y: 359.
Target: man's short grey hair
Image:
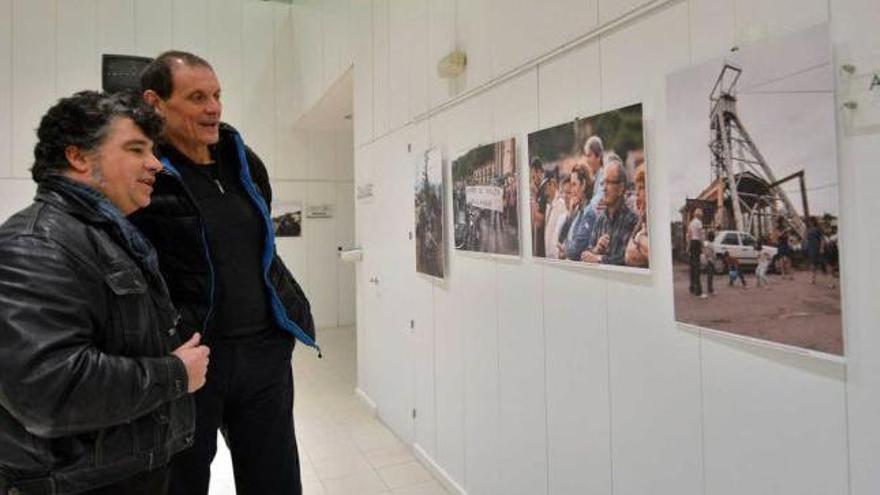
x: 594, y: 144
x: 612, y: 157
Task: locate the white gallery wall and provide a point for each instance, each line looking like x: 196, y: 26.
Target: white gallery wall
x: 515, y: 377
x: 51, y: 48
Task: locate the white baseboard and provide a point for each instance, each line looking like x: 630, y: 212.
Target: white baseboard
x: 374, y: 409
x: 437, y: 471
x: 426, y: 460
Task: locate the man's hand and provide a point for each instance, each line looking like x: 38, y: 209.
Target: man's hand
x: 195, y: 359
x: 591, y: 257
x: 602, y: 244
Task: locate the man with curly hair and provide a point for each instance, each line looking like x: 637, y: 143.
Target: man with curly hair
x: 94, y: 380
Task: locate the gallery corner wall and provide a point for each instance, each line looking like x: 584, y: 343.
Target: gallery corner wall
x: 51, y: 48
x: 513, y: 376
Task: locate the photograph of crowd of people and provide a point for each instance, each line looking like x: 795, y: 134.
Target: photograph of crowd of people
x: 587, y: 190
x: 430, y: 252
x: 288, y: 219
x: 484, y: 199
x: 755, y: 194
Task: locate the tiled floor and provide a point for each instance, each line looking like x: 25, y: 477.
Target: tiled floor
x: 344, y: 450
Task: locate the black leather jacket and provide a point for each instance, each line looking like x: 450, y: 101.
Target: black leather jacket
x: 89, y: 393
x: 174, y: 225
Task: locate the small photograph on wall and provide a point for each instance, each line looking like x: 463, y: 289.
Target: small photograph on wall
x: 287, y: 218
x: 588, y: 191
x: 430, y: 245
x: 754, y: 194
x: 484, y: 199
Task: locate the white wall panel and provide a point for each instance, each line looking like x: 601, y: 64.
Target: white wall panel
x: 756, y: 20
x: 309, y: 50
x: 518, y: 36
x: 362, y: 53
x: 449, y: 378
x: 712, y: 26
x: 400, y: 34
x: 474, y: 35
x: 522, y: 410
x: 366, y: 216
x: 296, y: 157
x: 76, y: 47
x: 345, y: 156
x: 33, y: 76
x: 190, y: 25
x: 395, y: 390
x: 287, y: 104
x: 334, y: 35
x: 226, y: 53
x: 515, y: 114
x: 773, y: 423
x: 6, y: 164
x: 612, y: 9
x: 418, y: 54
x: 478, y: 318
x: 322, y: 155
x: 153, y: 28
x: 632, y: 68
x: 655, y: 393
x: 346, y: 313
x: 425, y: 394
x: 382, y: 94
x: 441, y: 41
x: 861, y: 277
x: 323, y: 290
x: 258, y: 120
x: 116, y: 26
x: 570, y: 86
x: 578, y: 409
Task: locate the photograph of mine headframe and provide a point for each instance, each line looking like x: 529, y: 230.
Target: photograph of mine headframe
x: 746, y: 194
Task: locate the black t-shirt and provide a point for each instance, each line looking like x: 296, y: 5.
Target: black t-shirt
x: 235, y: 233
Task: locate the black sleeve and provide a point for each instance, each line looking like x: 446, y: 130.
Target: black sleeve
x: 54, y: 379
x: 259, y: 175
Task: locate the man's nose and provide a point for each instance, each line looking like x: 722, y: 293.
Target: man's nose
x: 214, y: 106
x: 153, y: 163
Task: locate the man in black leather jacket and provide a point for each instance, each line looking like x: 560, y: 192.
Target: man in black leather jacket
x: 94, y: 380
x: 211, y: 226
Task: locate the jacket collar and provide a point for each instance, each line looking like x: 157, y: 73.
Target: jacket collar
x: 73, y: 197
x: 89, y: 205
x: 167, y: 150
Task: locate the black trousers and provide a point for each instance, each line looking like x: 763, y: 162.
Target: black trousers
x: 146, y: 483
x: 248, y: 396
x: 694, y: 250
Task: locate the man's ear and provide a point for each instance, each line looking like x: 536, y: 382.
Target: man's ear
x: 152, y: 98
x: 78, y: 159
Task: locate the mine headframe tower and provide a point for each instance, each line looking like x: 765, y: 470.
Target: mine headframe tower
x: 735, y: 157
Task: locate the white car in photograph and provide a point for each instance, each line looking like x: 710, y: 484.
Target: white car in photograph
x: 740, y: 245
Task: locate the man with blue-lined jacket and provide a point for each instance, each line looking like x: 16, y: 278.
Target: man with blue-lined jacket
x: 209, y: 221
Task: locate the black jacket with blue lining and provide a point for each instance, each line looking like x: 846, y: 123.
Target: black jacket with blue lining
x: 173, y: 223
